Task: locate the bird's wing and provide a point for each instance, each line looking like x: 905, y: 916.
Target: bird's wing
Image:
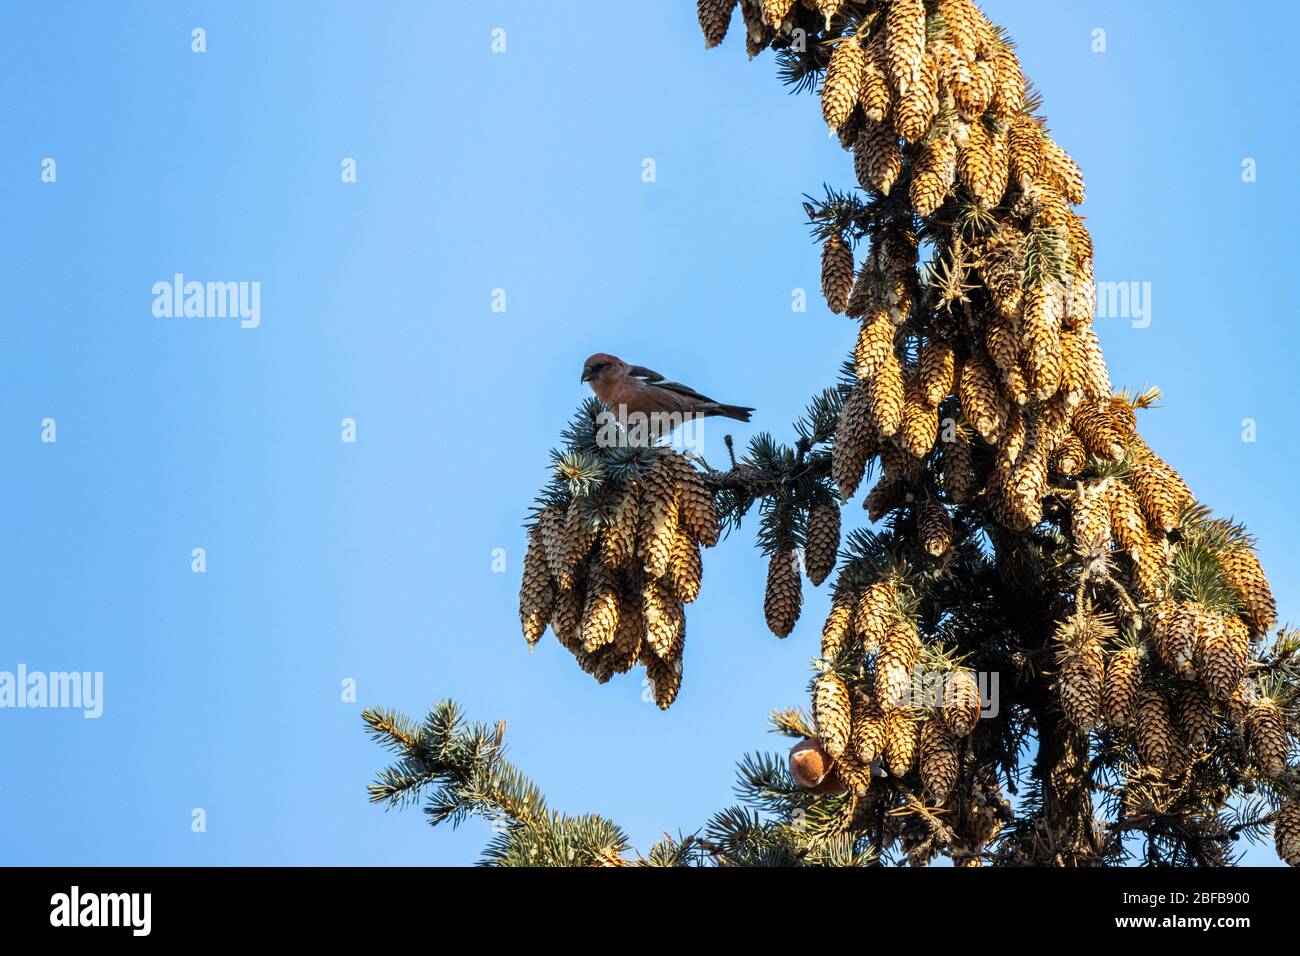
x: 650, y: 377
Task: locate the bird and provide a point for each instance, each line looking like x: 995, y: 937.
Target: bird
x: 640, y: 390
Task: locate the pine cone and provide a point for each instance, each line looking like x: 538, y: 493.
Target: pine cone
x: 665, y: 623
x: 958, y: 476
x: 898, y: 654
x: 600, y: 610
x: 832, y: 709
x: 714, y: 17
x: 1161, y: 493
x: 868, y: 734
x: 843, y: 81
x: 1070, y: 458
x: 618, y: 537
x: 822, y: 541
x: 776, y: 12
x: 901, y: 739
x: 665, y: 678
x: 659, y: 516
x: 1222, y: 652
x: 1079, y: 684
x: 980, y: 399
x: 1152, y: 733
x: 1120, y: 689
x: 1126, y: 519
x: 875, y: 345
x: 1196, y: 721
x: 1266, y: 730
x: 1176, y: 636
x: 961, y: 702
x: 873, y: 614
x: 536, y: 595
x: 837, y: 273
x: 938, y: 759
x: 784, y: 597
x: 876, y: 159
x: 1026, y: 148
x: 696, y: 511
x: 1242, y: 569
x: 854, y: 442
x: 1090, y: 518
x: 934, y: 528
x: 837, y: 632
x: 1286, y: 832
x: 1062, y: 172
x: 904, y: 43
x: 885, y: 410
x: 685, y: 569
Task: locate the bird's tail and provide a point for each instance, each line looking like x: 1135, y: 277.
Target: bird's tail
x: 739, y: 412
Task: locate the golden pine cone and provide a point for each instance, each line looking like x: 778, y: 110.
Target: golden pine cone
x: 1041, y: 342
x: 868, y: 735
x: 536, y: 594
x: 1286, y: 832
x: 976, y: 161
x: 1196, y: 720
x: 919, y: 426
x: 1243, y: 571
x: 1002, y: 342
x: 1001, y: 266
x: 550, y: 529
x: 981, y: 401
x: 1070, y: 457
x: 874, y: 96
x: 832, y: 710
x: 1151, y: 570
x: 1174, y: 630
x: 626, y: 650
x: 1222, y: 651
x: 1062, y: 172
x: 685, y: 569
x: 938, y: 759
x: 600, y: 610
x: 1266, y: 731
x: 855, y: 775
x: 1009, y: 85
x: 935, y: 371
x: 933, y: 172
x: 659, y: 517
x: 714, y: 17
x: 1026, y: 147
x: 961, y: 702
x: 837, y: 273
x: 822, y: 541
x: 696, y: 513
x: 1126, y: 521
x: 1120, y: 687
x: 1090, y: 518
x: 904, y: 43
x: 1102, y: 435
x: 577, y: 538
x: 958, y: 477
x: 873, y: 613
x: 618, y: 537
x: 784, y: 597
x: 875, y: 345
x: 854, y: 441
x: 1079, y: 685
x: 1152, y: 731
x: 899, y: 650
x: 665, y: 678
x: 887, y: 397
x: 776, y: 12
x: 886, y: 495
x: 876, y: 158
x: 566, y: 614
x: 837, y: 632
x: 917, y: 108
x: 843, y: 81
x: 665, y: 624
x: 901, y: 733
x: 934, y: 528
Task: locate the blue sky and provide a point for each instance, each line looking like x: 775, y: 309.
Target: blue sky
x: 372, y: 561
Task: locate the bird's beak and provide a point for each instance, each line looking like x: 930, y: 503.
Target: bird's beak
x: 587, y: 375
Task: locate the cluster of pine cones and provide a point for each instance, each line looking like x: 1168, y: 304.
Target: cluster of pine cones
x: 876, y: 715
x: 980, y: 382
x: 610, y: 572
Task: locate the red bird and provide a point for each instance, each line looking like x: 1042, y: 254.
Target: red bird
x: 638, y: 389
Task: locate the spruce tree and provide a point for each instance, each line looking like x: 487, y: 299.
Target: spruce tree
x: 1021, y: 528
